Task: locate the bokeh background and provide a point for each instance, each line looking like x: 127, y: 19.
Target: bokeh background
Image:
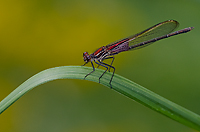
x: 39, y: 34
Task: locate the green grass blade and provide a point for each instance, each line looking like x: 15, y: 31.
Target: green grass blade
x: 120, y: 84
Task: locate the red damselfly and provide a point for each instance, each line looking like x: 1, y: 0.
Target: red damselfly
x: 142, y: 39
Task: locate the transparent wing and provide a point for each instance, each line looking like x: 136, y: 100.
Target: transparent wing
x: 155, y: 31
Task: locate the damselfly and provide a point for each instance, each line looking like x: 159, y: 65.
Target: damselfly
x: 142, y: 39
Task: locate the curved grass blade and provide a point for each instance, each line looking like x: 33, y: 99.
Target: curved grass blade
x: 119, y: 83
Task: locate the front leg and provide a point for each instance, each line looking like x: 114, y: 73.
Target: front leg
x: 91, y: 71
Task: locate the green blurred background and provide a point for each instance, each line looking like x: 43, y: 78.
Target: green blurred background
x: 40, y: 34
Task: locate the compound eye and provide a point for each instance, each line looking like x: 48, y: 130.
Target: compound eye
x: 86, y: 56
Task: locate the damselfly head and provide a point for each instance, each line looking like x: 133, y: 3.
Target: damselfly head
x: 86, y: 57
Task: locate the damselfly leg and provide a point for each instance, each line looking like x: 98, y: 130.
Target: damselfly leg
x: 91, y: 71
x: 110, y: 63
x: 106, y: 66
